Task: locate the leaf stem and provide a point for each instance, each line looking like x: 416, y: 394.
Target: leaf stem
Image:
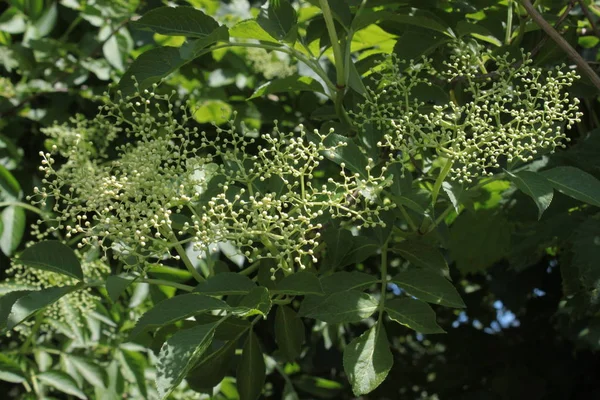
x: 384, y: 280
x: 22, y: 205
x: 163, y: 282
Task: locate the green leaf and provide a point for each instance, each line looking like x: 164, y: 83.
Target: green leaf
x: 347, y: 152
x: 32, y: 302
x: 13, y: 222
x: 9, y: 186
x: 179, y: 354
x: 192, y: 49
x: 179, y: 21
x: 177, y: 308
x: 575, y: 183
x: 136, y: 365
x: 477, y: 31
x: 280, y: 21
x: 116, y: 285
x: 6, y: 303
x: 288, y: 84
x: 421, y: 254
x: 10, y: 370
x: 150, y: 67
x: 422, y: 21
x: 289, y: 332
x: 251, y: 370
x: 169, y: 273
x: 211, y: 370
x: 343, y: 280
x: 299, y: 283
x: 347, y: 306
x: 414, y: 314
x: 535, y: 186
x: 250, y: 29
x: 362, y: 248
x: 257, y: 302
x: 91, y: 372
x: 429, y: 286
x: 61, y: 381
x: 337, y: 241
x: 226, y: 283
x: 367, y: 360
x: 52, y: 255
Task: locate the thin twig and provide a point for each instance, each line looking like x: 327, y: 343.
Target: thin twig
x: 562, y: 43
x: 589, y: 16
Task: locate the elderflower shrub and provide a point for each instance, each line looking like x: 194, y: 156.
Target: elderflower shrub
x: 122, y: 193
x: 271, y: 64
x: 69, y: 309
x: 509, y: 115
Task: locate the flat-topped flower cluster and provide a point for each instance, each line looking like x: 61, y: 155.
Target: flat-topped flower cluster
x: 122, y: 192
x: 508, y: 116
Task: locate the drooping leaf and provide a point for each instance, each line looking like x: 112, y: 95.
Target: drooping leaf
x: 32, y: 302
x: 226, y: 283
x: 414, y: 314
x: 52, y: 255
x: 91, y: 372
x: 136, y: 364
x: 429, y: 286
x: 212, y: 368
x: 251, y: 370
x: 116, y: 285
x: 535, y: 186
x: 289, y: 332
x: 62, y: 382
x: 257, y: 302
x: 12, y: 220
x: 367, y: 360
x: 347, y: 306
x: 177, y: 21
x: 298, y: 284
x: 179, y: 354
x: 421, y: 254
x: 150, y: 67
x: 177, y: 308
x: 575, y: 183
x: 288, y: 84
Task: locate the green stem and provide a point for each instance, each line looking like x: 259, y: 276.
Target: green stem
x: 22, y: 205
x: 384, y: 280
x: 335, y: 44
x: 163, y: 282
x: 250, y: 269
x: 509, y: 20
x: 182, y: 254
x: 407, y: 217
x: 440, y: 180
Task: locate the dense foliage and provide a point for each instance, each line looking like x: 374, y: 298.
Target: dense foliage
x: 299, y: 199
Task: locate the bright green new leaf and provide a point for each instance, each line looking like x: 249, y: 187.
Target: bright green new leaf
x: 535, y: 186
x: 289, y: 332
x: 367, y: 360
x: 429, y: 286
x: 61, y: 381
x: 288, y: 84
x: 575, y: 183
x: 177, y: 21
x: 299, y: 283
x: 250, y: 29
x: 226, y: 283
x: 347, y: 306
x: 251, y: 370
x: 177, y: 308
x: 52, y: 255
x: 414, y: 314
x: 179, y: 354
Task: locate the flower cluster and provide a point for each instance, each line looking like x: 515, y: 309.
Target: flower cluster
x: 69, y: 309
x: 506, y: 116
x: 271, y: 65
x: 123, y: 192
